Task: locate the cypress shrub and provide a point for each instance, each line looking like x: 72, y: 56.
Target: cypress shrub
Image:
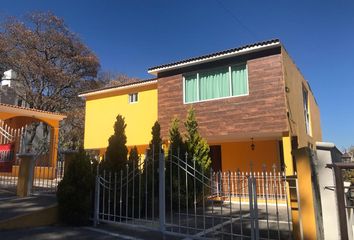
x: 197, y: 147
x: 198, y: 151
x: 117, y: 152
x: 150, y: 170
x: 74, y: 191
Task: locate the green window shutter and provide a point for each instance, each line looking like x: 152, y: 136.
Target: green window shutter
x: 239, y: 80
x: 191, y: 88
x: 214, y: 84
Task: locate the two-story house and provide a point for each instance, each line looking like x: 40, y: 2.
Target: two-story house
x: 252, y: 105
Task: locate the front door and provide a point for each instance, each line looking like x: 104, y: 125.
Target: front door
x: 215, y: 155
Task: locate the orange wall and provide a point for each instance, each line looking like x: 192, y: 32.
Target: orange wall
x: 39, y: 172
x: 141, y: 148
x: 238, y: 155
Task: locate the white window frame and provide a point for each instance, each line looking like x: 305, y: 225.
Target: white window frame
x: 131, y: 98
x: 307, y: 114
x: 212, y: 99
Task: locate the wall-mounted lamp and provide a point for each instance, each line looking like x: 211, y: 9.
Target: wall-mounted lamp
x: 253, y: 146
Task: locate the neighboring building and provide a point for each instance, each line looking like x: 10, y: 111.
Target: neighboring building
x: 251, y: 94
x: 9, y: 96
x: 347, y: 157
x: 7, y: 89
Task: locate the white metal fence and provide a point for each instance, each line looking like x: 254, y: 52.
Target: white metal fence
x: 11, y: 135
x: 45, y: 179
x: 184, y: 200
x: 270, y: 185
x: 45, y: 176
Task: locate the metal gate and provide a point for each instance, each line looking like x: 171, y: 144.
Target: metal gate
x: 46, y: 176
x: 185, y: 200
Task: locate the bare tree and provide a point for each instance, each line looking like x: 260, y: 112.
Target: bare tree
x: 110, y: 79
x: 53, y: 65
x: 51, y: 62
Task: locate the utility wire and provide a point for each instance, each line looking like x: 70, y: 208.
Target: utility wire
x: 248, y: 30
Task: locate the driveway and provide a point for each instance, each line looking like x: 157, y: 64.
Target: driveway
x: 104, y: 232
x: 55, y: 232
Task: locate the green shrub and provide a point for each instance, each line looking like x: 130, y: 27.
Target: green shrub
x: 197, y: 147
x: 117, y: 152
x: 177, y: 147
x: 134, y: 158
x: 74, y: 191
x: 176, y: 150
x: 348, y: 175
x: 150, y: 172
x: 197, y: 151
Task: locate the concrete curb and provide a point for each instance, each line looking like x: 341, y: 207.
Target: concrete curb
x: 44, y: 217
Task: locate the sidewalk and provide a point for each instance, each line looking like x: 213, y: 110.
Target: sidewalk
x: 12, y: 206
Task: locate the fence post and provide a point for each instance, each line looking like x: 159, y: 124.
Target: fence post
x: 97, y: 199
x: 340, y: 194
x: 162, y: 208
x: 26, y: 174
x: 250, y: 196
x: 255, y: 207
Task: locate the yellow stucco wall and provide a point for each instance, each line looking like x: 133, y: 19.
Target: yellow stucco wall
x: 288, y: 158
x: 102, y: 110
x: 238, y: 155
x: 306, y: 195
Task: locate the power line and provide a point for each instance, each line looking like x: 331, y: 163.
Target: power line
x: 248, y: 30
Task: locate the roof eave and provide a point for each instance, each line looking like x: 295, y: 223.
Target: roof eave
x: 213, y: 58
x: 28, y: 112
x: 118, y: 88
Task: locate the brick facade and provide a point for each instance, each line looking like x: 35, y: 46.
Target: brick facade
x: 261, y: 113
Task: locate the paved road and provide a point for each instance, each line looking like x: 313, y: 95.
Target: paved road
x: 43, y: 233
x: 5, y: 193
x: 11, y: 206
x: 104, y: 232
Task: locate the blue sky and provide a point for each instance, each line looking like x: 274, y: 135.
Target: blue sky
x: 131, y: 36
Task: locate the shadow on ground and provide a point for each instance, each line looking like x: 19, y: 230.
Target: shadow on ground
x: 12, y: 206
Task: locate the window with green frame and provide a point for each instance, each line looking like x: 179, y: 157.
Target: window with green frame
x: 216, y: 83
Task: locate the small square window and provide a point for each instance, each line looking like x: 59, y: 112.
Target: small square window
x: 133, y: 97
